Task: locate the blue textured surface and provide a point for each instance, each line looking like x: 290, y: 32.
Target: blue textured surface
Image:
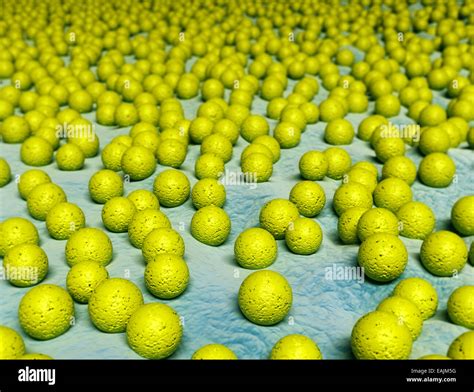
x: 325, y: 310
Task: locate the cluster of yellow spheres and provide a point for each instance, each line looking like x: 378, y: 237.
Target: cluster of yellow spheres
x: 177, y: 88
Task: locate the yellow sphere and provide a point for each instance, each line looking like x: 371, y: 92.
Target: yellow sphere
x: 383, y: 257
x: 400, y: 167
x: 171, y: 187
x: 437, y: 170
x: 351, y: 195
x: 295, y: 347
x: 379, y: 335
x: 377, y: 220
x: 392, y: 193
x: 443, y: 253
x: 208, y: 191
x: 214, y: 352
x: 43, y: 198
x: 309, y: 198
x: 154, y: 331
x: 15, y: 231
x: 417, y: 220
x: 462, y: 215
x: 104, y: 185
x: 143, y: 199
x: 406, y: 312
x: 255, y: 248
x: 347, y: 224
x: 143, y: 223
x: 63, y: 220
x: 30, y: 179
x: 461, y: 306
x: 89, y: 244
x: 276, y: 216
x: 313, y: 165
x: 166, y: 276
x: 160, y: 241
x: 303, y: 236
x: 25, y: 265
x: 265, y: 297
x: 12, y: 343
x: 339, y: 162
x: 117, y: 214
x: 462, y: 347
x: 421, y: 293
x: 5, y: 172
x: 210, y: 225
x: 112, y: 304
x: 70, y: 157
x: 46, y: 311
x: 83, y: 278
x: 257, y: 167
